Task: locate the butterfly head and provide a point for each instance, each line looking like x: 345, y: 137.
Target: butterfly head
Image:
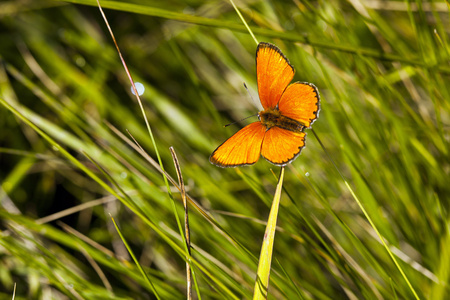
x: 269, y: 117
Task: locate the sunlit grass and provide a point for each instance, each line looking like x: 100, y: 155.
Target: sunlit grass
x: 383, y: 78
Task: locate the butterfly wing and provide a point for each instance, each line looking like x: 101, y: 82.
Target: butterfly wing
x: 281, y: 146
x: 242, y: 148
x: 273, y: 72
x: 300, y: 101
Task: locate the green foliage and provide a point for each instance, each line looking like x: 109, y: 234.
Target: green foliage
x: 383, y: 75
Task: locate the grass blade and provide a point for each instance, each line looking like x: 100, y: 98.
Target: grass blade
x: 265, y: 258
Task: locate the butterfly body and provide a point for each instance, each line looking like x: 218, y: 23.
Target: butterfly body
x: 279, y: 134
x: 272, y: 117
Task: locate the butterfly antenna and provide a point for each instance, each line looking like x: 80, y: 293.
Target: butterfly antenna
x: 255, y: 115
x: 248, y: 116
x: 249, y: 93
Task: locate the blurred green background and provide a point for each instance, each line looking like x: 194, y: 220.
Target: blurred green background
x: 382, y: 69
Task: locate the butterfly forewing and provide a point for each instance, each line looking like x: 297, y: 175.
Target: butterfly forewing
x: 274, y: 73
x: 281, y: 146
x: 300, y: 101
x: 242, y: 148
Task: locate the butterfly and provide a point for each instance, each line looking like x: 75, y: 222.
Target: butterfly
x: 289, y: 109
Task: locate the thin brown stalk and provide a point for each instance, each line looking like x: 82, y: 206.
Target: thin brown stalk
x: 186, y: 223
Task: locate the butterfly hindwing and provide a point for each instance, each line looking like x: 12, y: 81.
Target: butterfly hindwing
x: 300, y: 101
x: 274, y: 73
x: 242, y: 148
x: 281, y: 146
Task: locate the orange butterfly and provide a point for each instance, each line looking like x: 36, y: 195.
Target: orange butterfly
x: 288, y: 109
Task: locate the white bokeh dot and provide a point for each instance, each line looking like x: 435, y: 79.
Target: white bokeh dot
x: 139, y: 87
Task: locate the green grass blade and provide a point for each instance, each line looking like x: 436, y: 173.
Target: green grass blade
x: 265, y: 258
x: 130, y: 251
